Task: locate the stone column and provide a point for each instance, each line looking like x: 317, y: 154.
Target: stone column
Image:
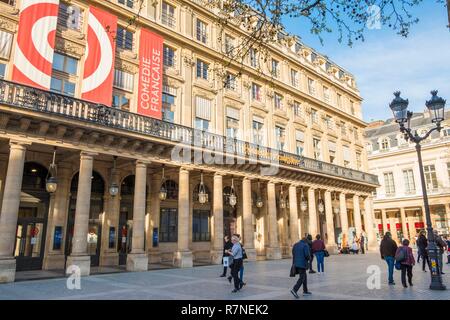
x: 369, y: 224
x: 384, y: 220
x: 343, y: 215
x: 249, y: 241
x: 217, y: 243
x: 312, y: 212
x: 357, y: 215
x: 79, y: 256
x: 403, y: 220
x: 155, y: 212
x: 10, y: 210
x: 55, y: 259
x: 293, y: 215
x: 447, y: 215
x: 331, y: 242
x: 183, y: 256
x: 137, y: 259
x: 273, y: 250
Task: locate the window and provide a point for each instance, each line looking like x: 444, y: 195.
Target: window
x: 70, y: 16
x: 230, y: 82
x: 275, y: 68
x: 430, y: 177
x: 256, y: 92
x: 201, y: 124
x: 329, y: 122
x: 168, y: 228
x: 253, y: 58
x: 5, y: 44
x: 408, y: 176
x: 258, y: 134
x: 314, y: 116
x: 64, y: 74
x: 201, y: 225
x: 229, y: 44
x: 339, y: 100
x: 123, y: 80
x: 446, y: 132
x: 294, y: 78
x: 168, y: 57
x: 128, y: 3
x: 203, y: 113
x: 352, y: 107
x: 124, y: 39
x: 299, y: 142
x: 347, y: 156
x: 355, y: 133
x: 10, y: 2
x: 2, y: 70
x: 168, y: 103
x: 232, y: 122
x: 201, y: 31
x: 202, y: 69
x: 343, y: 129
x: 385, y: 144
x: 280, y: 137
x: 120, y: 101
x: 316, y: 147
x: 389, y: 184
x: 297, y: 109
x: 358, y: 160
x: 168, y: 15
x: 277, y: 99
x: 311, y: 86
x: 326, y: 94
x: 332, y: 151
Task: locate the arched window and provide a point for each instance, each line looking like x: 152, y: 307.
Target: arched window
x: 172, y: 190
x: 127, y: 187
x: 385, y: 144
x: 34, y: 176
x: 98, y: 185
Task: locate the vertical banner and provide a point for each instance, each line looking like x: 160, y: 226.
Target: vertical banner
x: 33, y: 56
x: 150, y: 74
x: 99, y: 64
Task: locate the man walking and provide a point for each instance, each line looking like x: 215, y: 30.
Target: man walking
x: 442, y: 246
x: 311, y: 258
x: 227, y: 245
x: 300, y: 256
x: 422, y: 253
x: 388, y: 248
x: 362, y: 243
x: 236, y: 253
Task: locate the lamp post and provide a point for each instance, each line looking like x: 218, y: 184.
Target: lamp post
x: 403, y: 117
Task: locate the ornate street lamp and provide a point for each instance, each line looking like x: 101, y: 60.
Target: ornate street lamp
x: 202, y: 195
x: 436, y: 107
x: 113, y: 187
x: 163, y: 189
x: 336, y: 208
x: 303, y: 202
x: 51, y: 182
x: 259, y: 200
x: 320, y: 205
x: 232, y: 198
x: 282, y: 200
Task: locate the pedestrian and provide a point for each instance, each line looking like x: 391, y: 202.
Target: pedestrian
x: 362, y: 241
x: 236, y: 253
x: 227, y: 245
x: 309, y: 239
x: 442, y: 246
x: 405, y: 256
x: 388, y: 248
x: 244, y: 256
x: 300, y: 256
x: 318, y: 248
x: 448, y: 248
x: 354, y: 249
x: 422, y: 251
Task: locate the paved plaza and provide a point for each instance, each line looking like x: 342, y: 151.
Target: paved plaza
x: 345, y: 278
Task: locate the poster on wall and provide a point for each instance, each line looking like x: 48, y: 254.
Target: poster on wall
x: 33, y: 55
x: 98, y: 75
x: 150, y: 74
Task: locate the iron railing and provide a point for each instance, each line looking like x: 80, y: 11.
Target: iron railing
x: 25, y: 97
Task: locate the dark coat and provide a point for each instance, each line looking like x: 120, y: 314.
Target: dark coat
x: 301, y: 254
x: 388, y: 248
x: 227, y: 246
x: 422, y: 243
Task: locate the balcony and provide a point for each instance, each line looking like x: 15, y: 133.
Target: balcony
x: 49, y: 103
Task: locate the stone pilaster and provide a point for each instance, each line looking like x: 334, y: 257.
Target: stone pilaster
x: 343, y: 215
x: 273, y: 250
x: 137, y: 259
x: 384, y: 220
x: 249, y: 241
x: 312, y: 212
x: 10, y: 210
x: 217, y: 242
x: 154, y: 216
x: 331, y: 242
x: 293, y: 215
x: 357, y: 215
x: 369, y: 224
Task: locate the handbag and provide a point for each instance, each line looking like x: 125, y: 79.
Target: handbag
x: 326, y: 253
x: 244, y: 254
x: 293, y: 271
x: 398, y: 265
x: 226, y: 262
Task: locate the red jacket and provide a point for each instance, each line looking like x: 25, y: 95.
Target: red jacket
x: 318, y: 245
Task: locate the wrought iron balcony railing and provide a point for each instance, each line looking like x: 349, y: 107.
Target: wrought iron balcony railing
x: 21, y: 96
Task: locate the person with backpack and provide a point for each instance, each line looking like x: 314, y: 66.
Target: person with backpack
x: 388, y: 248
x: 404, y: 256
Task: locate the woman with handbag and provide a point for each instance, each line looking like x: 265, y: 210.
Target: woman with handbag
x: 318, y: 249
x: 405, y: 257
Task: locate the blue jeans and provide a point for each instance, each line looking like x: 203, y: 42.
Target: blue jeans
x: 320, y: 255
x: 390, y: 262
x: 241, y: 273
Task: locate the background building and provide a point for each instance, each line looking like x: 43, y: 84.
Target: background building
x: 398, y: 202
x: 300, y: 115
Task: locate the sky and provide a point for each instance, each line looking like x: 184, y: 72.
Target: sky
x: 386, y: 62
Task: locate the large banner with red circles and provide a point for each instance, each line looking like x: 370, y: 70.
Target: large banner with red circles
x: 99, y: 64
x: 35, y: 43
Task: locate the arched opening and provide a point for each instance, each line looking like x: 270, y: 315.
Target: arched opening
x: 168, y: 224
x: 32, y: 218
x: 201, y: 216
x: 125, y: 218
x: 95, y: 224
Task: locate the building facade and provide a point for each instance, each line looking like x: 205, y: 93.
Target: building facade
x: 278, y: 152
x: 398, y: 202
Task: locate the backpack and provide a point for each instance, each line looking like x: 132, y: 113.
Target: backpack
x: 401, y: 255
